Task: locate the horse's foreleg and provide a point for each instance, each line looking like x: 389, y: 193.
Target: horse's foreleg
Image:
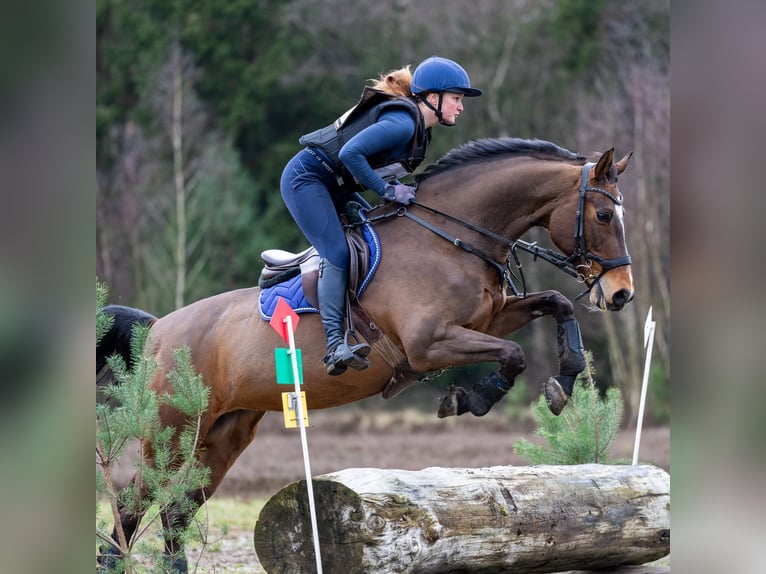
x: 515, y: 314
x: 558, y: 389
x: 571, y: 353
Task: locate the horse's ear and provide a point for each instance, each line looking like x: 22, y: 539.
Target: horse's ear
x: 622, y: 165
x: 604, y: 165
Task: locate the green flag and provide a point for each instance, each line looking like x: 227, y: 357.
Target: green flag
x: 285, y: 366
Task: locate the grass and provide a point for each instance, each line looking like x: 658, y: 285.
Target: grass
x: 234, y: 513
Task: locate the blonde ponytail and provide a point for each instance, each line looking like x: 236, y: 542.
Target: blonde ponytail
x: 396, y: 82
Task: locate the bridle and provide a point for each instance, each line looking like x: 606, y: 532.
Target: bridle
x: 512, y: 263
x: 580, y: 250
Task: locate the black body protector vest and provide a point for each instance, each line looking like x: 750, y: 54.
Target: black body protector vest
x: 330, y: 139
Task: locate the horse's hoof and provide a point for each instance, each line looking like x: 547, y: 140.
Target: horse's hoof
x: 555, y: 396
x: 453, y: 403
x: 109, y: 559
x: 180, y: 566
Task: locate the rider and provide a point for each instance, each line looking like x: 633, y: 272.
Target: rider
x: 380, y: 139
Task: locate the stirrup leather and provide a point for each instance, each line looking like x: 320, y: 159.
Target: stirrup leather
x: 344, y: 355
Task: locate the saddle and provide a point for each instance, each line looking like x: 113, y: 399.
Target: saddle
x: 280, y: 267
x: 294, y: 276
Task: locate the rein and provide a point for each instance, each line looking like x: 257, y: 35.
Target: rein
x: 507, y: 273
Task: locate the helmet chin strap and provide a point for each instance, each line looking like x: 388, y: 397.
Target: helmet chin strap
x: 438, y: 110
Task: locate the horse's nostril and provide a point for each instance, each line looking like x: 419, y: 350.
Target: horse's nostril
x: 622, y: 297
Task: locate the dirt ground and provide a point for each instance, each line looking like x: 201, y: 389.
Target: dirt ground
x: 409, y: 440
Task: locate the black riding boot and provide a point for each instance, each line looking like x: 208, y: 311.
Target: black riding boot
x: 331, y: 292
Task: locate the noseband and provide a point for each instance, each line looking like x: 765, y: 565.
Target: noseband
x: 507, y: 272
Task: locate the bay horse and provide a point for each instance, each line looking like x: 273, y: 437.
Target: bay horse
x: 441, y: 303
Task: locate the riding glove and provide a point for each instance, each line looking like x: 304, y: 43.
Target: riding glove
x: 400, y: 193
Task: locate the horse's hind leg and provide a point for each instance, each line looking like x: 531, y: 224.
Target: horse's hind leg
x: 493, y: 387
x: 110, y: 556
x: 224, y: 442
x: 175, y: 520
x: 476, y: 347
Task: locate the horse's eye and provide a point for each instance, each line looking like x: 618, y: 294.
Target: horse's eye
x: 604, y: 216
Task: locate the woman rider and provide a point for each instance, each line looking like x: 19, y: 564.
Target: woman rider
x: 381, y: 138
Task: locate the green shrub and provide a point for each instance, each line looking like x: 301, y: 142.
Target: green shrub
x: 132, y: 412
x: 584, y: 431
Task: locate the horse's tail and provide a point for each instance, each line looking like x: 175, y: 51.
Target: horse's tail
x: 117, y: 339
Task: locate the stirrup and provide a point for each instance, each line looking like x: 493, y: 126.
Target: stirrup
x: 343, y: 355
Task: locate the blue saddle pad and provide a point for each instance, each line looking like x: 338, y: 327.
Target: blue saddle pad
x: 291, y: 290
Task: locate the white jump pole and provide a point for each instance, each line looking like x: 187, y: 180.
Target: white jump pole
x: 649, y: 327
x: 304, y: 443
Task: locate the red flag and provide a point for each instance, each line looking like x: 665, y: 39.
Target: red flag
x: 278, y: 323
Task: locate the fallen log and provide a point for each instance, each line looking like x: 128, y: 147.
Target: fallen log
x: 479, y: 520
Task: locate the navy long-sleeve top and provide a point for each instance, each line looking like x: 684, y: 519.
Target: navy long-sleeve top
x: 392, y: 132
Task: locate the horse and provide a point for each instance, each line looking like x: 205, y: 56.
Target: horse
x: 445, y: 294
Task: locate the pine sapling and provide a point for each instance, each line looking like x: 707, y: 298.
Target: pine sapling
x: 131, y: 411
x: 584, y: 432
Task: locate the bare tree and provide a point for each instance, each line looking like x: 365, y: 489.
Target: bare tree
x: 179, y: 182
x: 120, y: 227
x: 177, y: 149
x: 633, y: 113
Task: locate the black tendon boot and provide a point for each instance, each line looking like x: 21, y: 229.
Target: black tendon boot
x: 331, y: 292
x: 487, y: 392
x: 558, y: 389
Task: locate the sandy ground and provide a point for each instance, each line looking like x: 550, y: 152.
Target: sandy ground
x: 405, y: 440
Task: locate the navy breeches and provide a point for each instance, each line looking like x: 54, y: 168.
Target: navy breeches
x: 306, y: 189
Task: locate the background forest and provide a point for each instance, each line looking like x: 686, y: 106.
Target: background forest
x: 200, y: 104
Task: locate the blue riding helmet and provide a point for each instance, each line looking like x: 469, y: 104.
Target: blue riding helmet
x: 437, y: 74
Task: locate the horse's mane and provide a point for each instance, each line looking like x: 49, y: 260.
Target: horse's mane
x: 488, y: 148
